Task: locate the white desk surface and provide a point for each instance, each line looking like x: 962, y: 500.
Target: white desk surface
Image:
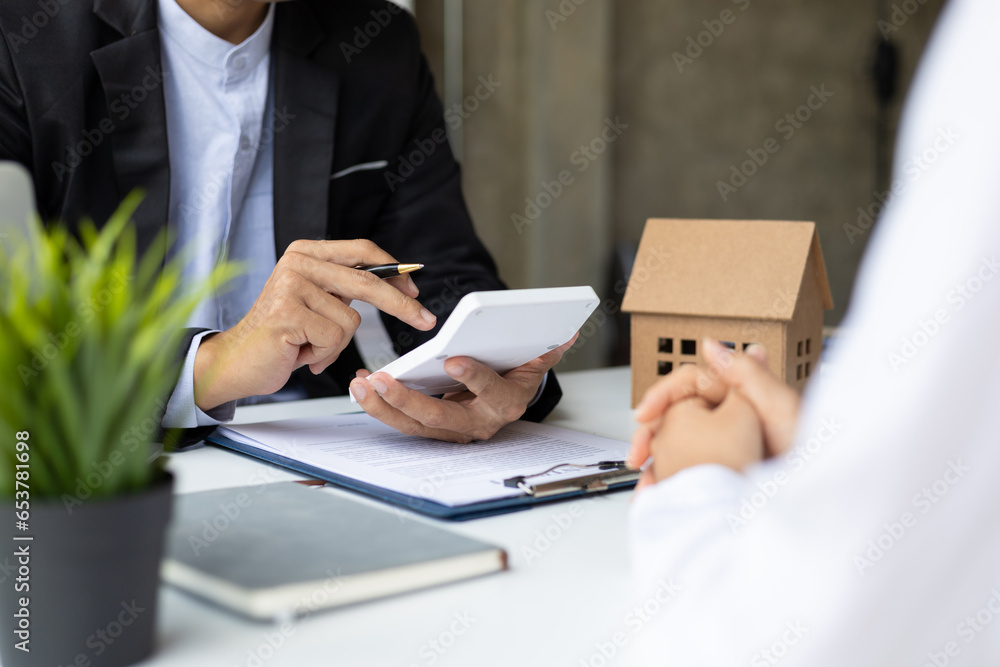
x: 553, y: 607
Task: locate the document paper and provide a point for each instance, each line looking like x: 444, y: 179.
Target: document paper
x: 364, y: 449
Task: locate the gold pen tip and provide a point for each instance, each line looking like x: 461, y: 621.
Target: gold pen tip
x: 409, y: 268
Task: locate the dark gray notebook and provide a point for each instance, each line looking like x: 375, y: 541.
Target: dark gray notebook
x: 289, y: 549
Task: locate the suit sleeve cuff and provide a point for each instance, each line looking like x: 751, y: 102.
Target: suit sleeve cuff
x: 541, y: 390
x: 181, y: 410
x: 545, y: 400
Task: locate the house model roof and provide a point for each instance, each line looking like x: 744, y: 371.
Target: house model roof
x: 724, y: 268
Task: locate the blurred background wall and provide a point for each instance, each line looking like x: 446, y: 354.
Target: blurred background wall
x: 576, y: 120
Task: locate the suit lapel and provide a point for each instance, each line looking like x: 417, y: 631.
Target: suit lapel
x: 132, y: 77
x: 305, y: 98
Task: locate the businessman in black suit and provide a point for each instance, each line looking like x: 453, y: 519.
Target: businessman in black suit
x: 82, y: 106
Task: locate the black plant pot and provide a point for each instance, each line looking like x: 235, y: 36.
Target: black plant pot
x: 93, y: 575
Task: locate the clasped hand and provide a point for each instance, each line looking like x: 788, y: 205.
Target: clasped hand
x: 732, y: 412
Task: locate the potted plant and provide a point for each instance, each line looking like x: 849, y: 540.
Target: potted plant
x: 89, y: 338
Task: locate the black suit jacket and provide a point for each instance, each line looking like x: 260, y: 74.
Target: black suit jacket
x: 81, y: 105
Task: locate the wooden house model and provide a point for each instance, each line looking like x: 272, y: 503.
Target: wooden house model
x: 738, y: 281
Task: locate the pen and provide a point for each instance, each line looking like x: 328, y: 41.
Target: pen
x: 390, y: 270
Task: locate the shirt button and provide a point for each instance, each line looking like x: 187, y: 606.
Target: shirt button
x: 239, y: 62
x: 245, y: 143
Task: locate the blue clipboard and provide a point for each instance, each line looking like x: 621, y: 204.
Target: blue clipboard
x: 601, y: 482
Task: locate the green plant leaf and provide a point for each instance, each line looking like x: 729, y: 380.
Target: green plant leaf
x: 90, y: 334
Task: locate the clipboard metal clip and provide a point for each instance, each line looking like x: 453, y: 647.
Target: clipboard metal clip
x: 608, y: 474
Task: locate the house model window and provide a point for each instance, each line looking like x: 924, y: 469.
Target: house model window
x: 737, y: 281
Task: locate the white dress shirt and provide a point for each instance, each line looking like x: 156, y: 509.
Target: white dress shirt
x: 221, y: 174
x: 876, y: 540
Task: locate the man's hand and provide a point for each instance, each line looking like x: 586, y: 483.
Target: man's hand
x: 776, y: 405
x: 302, y: 317
x: 489, y: 403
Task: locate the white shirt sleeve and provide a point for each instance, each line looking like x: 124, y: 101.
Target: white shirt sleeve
x: 181, y: 410
x: 541, y: 389
x: 875, y: 540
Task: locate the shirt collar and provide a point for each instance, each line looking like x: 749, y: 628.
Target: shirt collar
x: 214, y: 51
